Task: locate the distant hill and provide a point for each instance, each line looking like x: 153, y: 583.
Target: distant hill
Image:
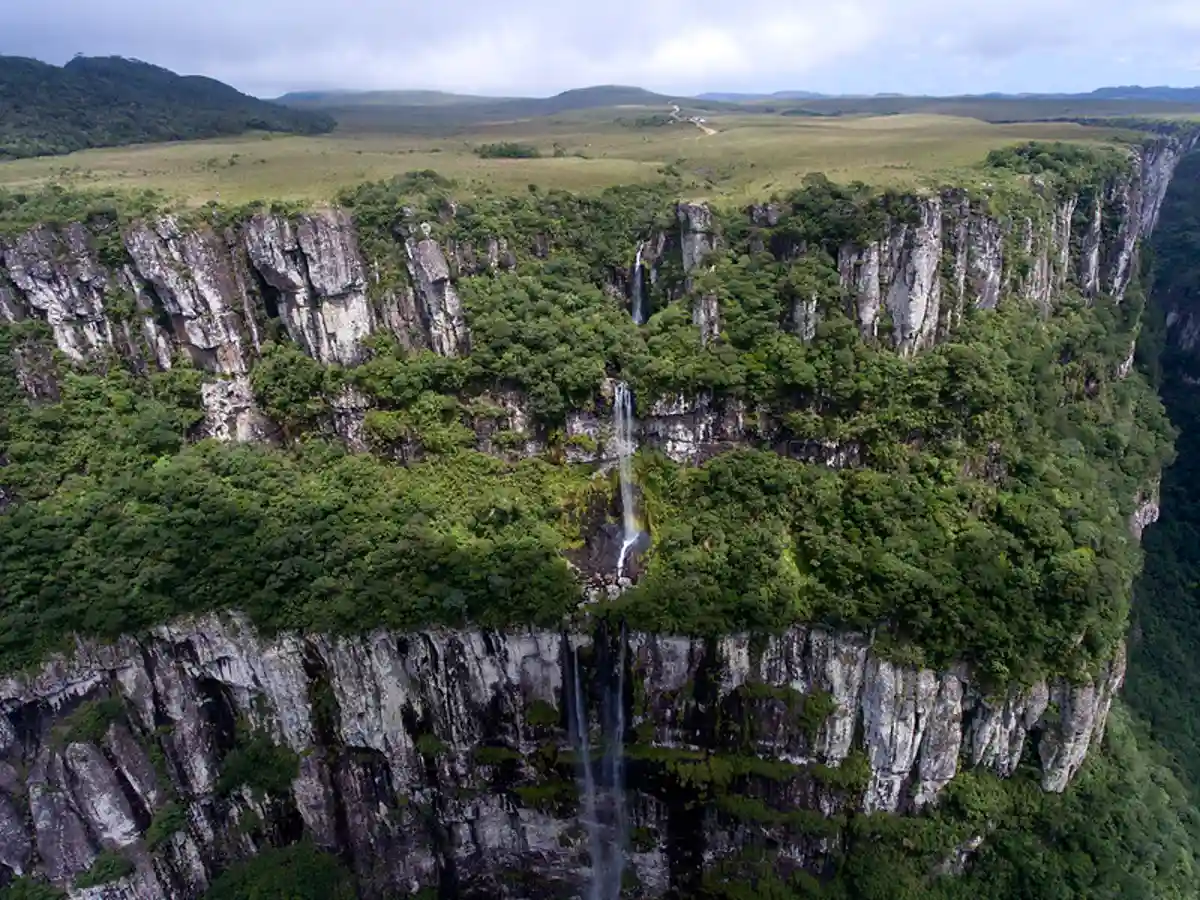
x: 418, y: 110
x: 1129, y: 92
x: 437, y: 112
x: 110, y: 101
x: 325, y: 99
x: 1136, y: 92
x: 578, y: 98
x: 596, y: 98
x: 750, y: 98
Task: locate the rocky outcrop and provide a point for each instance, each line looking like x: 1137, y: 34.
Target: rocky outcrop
x: 186, y: 288
x: 859, y: 269
x: 190, y: 274
x: 61, y: 281
x: 805, y: 318
x: 706, y: 316
x: 691, y: 429
x: 1082, y: 710
x: 697, y: 234
x: 977, y: 244
x: 1034, y: 255
x: 210, y: 295
x: 230, y: 413
x: 911, y: 258
x: 384, y: 717
x: 317, y: 276
x: 1146, y: 511
x: 438, y: 303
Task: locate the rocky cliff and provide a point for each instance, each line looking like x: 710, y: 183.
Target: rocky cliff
x: 446, y: 752
x: 444, y: 757
x: 214, y: 295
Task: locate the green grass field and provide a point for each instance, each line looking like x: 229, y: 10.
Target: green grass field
x: 749, y: 156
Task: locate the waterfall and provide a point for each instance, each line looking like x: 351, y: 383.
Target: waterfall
x: 603, y: 806
x: 638, y: 290
x: 587, y: 787
x: 614, y: 763
x: 623, y: 425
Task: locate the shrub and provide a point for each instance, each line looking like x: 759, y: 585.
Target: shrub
x: 507, y: 150
x: 109, y: 866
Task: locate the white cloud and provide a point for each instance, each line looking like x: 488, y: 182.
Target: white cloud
x: 676, y: 46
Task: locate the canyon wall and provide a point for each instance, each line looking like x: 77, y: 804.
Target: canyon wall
x: 442, y: 757
x: 423, y: 757
x: 214, y: 295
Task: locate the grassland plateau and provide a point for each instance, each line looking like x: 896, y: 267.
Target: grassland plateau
x: 717, y: 151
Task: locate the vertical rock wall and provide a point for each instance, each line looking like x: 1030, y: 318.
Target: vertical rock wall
x: 388, y: 729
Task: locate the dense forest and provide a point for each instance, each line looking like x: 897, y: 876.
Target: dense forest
x: 110, y: 101
x: 987, y: 520
x: 1163, y: 683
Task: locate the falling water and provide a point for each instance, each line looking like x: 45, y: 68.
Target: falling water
x: 604, y: 816
x: 591, y: 819
x: 639, y: 299
x: 614, y: 763
x: 623, y: 424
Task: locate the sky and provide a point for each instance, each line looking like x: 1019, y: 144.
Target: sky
x: 680, y: 47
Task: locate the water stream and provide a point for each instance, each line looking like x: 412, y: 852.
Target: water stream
x: 623, y: 427
x: 638, y: 290
x: 587, y: 781
x: 614, y: 763
x: 602, y: 800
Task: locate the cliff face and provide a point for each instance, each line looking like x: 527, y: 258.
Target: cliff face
x: 213, y: 296
x: 443, y: 757
x: 446, y: 752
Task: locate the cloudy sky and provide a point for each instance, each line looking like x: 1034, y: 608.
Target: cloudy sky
x: 540, y: 47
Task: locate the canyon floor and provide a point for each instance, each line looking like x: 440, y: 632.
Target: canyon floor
x: 747, y: 156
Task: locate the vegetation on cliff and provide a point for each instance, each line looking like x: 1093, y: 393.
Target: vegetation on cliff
x: 107, y: 101
x: 985, y: 517
x: 1163, y: 683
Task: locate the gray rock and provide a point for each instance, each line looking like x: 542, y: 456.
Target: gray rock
x: 942, y: 741
x: 16, y: 846
x: 60, y: 278
x: 318, y: 274
x: 1089, y: 257
x: 706, y: 315
x: 11, y: 309
x: 697, y: 233
x: 438, y: 303
x: 98, y: 796
x: 1083, y: 712
x: 192, y: 276
x: 998, y: 729
x: 231, y: 414
x: 64, y: 846
x: 913, y: 296
x: 468, y: 687
x: 897, y: 705
x: 859, y: 270
x: 1146, y: 511
x: 805, y: 318
x: 350, y: 408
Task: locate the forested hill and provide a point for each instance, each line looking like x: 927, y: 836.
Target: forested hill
x: 109, y: 101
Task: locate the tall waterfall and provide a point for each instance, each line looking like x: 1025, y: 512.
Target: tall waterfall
x: 603, y: 801
x: 587, y: 782
x: 623, y: 426
x: 638, y: 290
